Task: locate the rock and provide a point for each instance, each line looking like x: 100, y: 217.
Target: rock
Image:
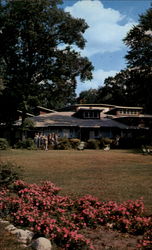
x: 22, y: 240
x: 5, y: 222
x: 41, y: 244
x: 23, y: 236
x: 30, y: 234
x: 110, y: 225
x: 23, y: 245
x: 10, y: 227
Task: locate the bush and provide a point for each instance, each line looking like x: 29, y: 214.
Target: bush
x: 9, y: 172
x: 3, y: 144
x: 93, y: 144
x: 63, y: 144
x: 126, y: 143
x: 140, y: 140
x: 74, y: 142
x: 105, y: 141
x: 25, y: 144
x: 66, y: 221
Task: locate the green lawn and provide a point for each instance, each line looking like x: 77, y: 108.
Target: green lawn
x: 114, y: 175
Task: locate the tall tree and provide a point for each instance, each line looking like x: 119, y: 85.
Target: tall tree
x: 119, y: 90
x: 139, y: 59
x: 133, y: 85
x: 38, y: 63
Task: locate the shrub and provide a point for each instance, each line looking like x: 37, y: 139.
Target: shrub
x: 126, y: 143
x: 140, y: 140
x: 25, y: 144
x: 62, y: 219
x: 105, y: 141
x: 3, y: 144
x: 63, y: 144
x: 28, y: 124
x: 9, y: 172
x: 74, y: 142
x: 93, y: 144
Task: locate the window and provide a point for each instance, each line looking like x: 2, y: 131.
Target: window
x: 91, y: 114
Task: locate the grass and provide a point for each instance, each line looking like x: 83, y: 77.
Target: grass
x: 114, y: 175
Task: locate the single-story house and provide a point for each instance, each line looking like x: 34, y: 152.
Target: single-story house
x: 66, y: 124
x: 88, y: 121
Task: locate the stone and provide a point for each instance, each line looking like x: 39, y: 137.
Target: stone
x: 30, y: 234
x: 41, y: 243
x: 23, y: 245
x: 23, y: 236
x: 5, y: 222
x: 22, y: 240
x: 110, y: 225
x: 10, y: 227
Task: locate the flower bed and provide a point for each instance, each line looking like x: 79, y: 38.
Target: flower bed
x: 61, y: 219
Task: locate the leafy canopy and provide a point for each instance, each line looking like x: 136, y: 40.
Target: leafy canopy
x: 133, y: 85
x: 38, y: 63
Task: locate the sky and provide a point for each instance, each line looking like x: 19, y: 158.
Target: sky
x: 109, y: 21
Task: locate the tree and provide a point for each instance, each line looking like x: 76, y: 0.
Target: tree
x: 38, y: 63
x: 119, y: 90
x: 88, y: 96
x: 139, y: 59
x: 133, y: 85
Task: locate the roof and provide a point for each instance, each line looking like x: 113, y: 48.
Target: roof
x: 76, y: 106
x: 27, y: 114
x: 98, y: 106
x: 45, y: 109
x: 126, y: 107
x: 94, y: 105
x: 66, y: 119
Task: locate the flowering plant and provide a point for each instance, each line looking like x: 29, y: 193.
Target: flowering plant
x: 59, y: 218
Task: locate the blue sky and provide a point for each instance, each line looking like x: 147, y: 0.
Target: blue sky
x: 109, y: 21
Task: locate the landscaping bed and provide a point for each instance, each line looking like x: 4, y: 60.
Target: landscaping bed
x: 78, y: 220
x: 75, y: 224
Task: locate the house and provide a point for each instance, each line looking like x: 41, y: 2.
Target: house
x: 88, y: 121
x: 85, y: 121
x: 66, y: 124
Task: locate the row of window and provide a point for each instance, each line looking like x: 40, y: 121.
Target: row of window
x: 96, y: 114
x: 130, y: 112
x: 93, y: 114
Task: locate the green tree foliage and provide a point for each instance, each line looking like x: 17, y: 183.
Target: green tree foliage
x: 88, y: 96
x: 139, y: 59
x: 38, y: 63
x: 119, y: 90
x: 133, y: 85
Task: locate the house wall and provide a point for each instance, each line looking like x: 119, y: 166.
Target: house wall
x: 68, y: 132
x: 82, y: 133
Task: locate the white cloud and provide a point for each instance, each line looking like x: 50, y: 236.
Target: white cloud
x: 105, y: 33
x: 98, y: 79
